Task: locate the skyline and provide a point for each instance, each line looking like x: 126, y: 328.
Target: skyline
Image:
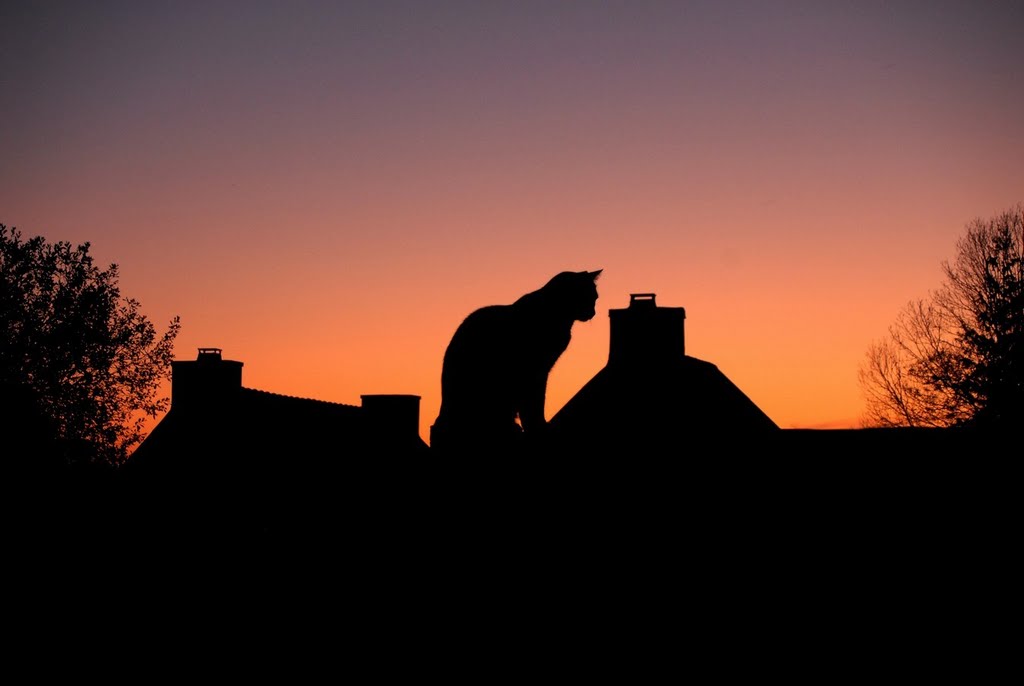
x: 324, y: 190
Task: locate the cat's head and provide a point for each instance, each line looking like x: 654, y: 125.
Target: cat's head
x: 576, y: 293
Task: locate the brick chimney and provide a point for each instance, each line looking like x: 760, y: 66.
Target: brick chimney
x: 646, y: 334
x: 207, y: 380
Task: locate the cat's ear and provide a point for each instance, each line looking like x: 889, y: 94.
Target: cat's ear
x: 596, y: 274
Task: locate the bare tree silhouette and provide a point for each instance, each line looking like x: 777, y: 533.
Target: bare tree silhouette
x: 956, y: 358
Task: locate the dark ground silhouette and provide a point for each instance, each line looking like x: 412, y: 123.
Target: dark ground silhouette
x: 660, y: 481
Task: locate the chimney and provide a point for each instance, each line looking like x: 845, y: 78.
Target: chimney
x: 395, y: 418
x: 207, y: 380
x: 652, y: 397
x: 644, y: 333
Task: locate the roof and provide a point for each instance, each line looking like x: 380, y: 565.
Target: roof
x: 657, y: 406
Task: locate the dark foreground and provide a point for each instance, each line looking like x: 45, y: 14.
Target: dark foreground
x: 804, y: 494
x: 818, y: 551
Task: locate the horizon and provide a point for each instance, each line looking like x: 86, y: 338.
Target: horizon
x: 324, y: 191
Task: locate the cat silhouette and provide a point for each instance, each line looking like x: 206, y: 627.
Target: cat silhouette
x: 495, y: 371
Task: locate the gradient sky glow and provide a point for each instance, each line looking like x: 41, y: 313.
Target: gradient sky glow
x: 325, y: 189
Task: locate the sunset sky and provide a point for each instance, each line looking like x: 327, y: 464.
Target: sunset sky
x: 325, y: 189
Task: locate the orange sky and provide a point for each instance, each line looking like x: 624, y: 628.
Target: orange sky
x: 324, y: 189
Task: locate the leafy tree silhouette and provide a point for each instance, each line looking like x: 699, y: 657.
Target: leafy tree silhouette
x: 80, y: 366
x: 956, y: 358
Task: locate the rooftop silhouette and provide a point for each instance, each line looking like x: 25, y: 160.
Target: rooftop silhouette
x: 653, y: 424
x: 651, y: 395
x: 245, y: 458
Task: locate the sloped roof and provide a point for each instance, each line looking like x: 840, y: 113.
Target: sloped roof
x: 247, y: 460
x: 217, y: 428
x: 652, y: 395
x: 250, y: 423
x: 662, y: 405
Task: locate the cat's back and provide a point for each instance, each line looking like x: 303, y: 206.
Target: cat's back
x: 485, y: 323
x: 484, y: 337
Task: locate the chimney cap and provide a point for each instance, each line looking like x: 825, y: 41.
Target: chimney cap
x: 209, y: 354
x: 642, y: 300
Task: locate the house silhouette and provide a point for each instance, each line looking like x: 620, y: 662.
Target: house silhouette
x: 249, y: 458
x: 214, y: 420
x: 651, y: 395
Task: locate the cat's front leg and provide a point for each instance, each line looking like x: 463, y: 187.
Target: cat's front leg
x: 531, y: 406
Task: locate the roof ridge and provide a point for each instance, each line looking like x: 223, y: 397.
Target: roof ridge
x: 297, y: 397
